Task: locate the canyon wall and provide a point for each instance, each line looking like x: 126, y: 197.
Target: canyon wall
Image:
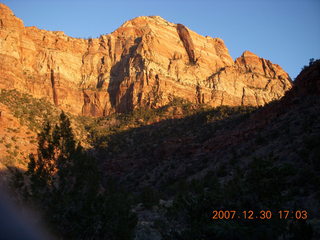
x: 146, y: 62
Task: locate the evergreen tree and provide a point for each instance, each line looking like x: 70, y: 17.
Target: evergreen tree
x: 41, y: 168
x: 66, y: 184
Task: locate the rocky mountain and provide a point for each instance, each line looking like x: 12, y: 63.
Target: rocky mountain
x: 146, y: 62
x: 171, y: 127
x: 224, y: 158
x: 217, y: 134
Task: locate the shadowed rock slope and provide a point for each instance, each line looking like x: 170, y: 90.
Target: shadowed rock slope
x: 226, y: 158
x: 218, y: 133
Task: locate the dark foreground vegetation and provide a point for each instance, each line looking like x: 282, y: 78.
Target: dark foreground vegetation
x: 180, y: 163
x: 65, y: 183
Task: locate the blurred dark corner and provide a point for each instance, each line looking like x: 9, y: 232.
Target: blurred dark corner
x: 16, y: 223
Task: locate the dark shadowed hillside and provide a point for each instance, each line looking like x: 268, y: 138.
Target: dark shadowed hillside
x: 228, y: 157
x: 154, y: 132
x: 182, y: 161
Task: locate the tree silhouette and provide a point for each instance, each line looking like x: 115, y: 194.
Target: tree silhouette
x: 66, y: 183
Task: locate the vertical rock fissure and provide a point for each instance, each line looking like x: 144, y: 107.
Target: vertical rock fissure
x: 272, y: 69
x: 222, y: 98
x: 198, y: 93
x: 264, y: 66
x: 54, y: 90
x: 187, y: 42
x: 243, y: 95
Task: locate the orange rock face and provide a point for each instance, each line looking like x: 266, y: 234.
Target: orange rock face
x: 144, y: 63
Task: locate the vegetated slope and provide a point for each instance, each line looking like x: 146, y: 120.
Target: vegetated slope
x: 21, y: 118
x: 199, y: 158
x: 226, y: 158
x: 144, y: 63
x: 175, y: 147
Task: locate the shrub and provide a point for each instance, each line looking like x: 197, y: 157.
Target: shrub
x: 65, y: 183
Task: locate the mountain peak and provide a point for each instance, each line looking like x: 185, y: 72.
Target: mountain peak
x: 146, y: 62
x: 5, y: 10
x: 308, y: 81
x: 248, y: 54
x: 146, y: 20
x: 8, y: 19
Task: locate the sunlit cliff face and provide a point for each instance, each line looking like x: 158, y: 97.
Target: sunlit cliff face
x: 144, y: 63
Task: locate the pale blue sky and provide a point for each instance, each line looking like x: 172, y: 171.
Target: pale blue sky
x: 287, y: 32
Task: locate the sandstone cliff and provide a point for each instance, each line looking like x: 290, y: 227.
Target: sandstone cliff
x: 145, y: 63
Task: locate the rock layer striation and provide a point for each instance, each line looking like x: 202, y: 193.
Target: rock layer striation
x: 146, y: 62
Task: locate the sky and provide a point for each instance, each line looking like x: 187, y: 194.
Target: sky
x: 286, y: 32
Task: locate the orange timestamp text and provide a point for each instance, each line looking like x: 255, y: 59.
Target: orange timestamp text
x: 262, y: 215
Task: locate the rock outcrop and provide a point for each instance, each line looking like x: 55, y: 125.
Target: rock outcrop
x: 144, y: 63
x: 187, y: 42
x: 308, y: 81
